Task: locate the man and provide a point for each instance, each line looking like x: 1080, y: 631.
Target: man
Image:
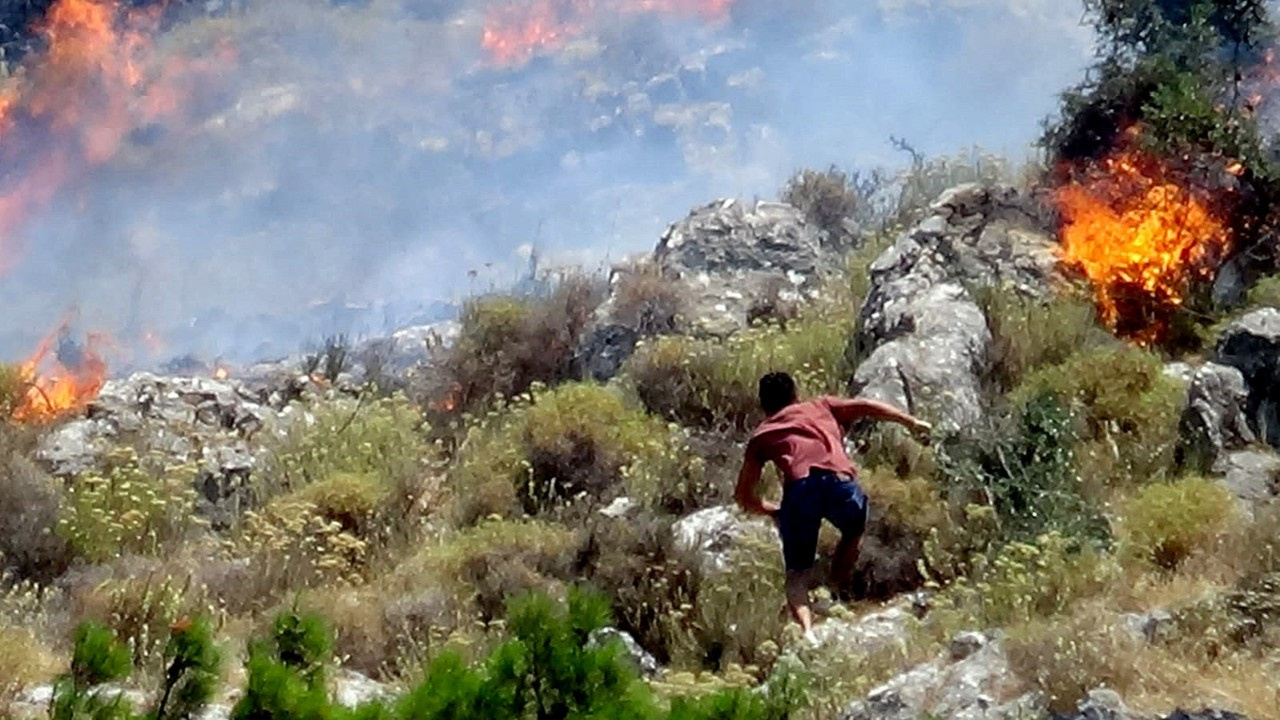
x: 805, y: 440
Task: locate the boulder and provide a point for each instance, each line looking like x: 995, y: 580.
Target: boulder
x: 1101, y: 704
x: 1253, y: 476
x: 713, y: 533
x: 1251, y: 345
x: 971, y: 680
x: 1215, y: 419
x: 922, y: 337
x: 728, y: 262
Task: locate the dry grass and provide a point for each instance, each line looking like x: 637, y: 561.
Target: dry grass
x: 25, y: 660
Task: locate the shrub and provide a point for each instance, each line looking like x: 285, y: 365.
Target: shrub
x: 1165, y: 523
x: 1020, y: 583
x: 285, y: 674
x: 129, y: 509
x: 507, y: 344
x: 1022, y: 467
x: 1128, y: 410
x: 13, y: 390
x: 30, y: 545
x: 576, y: 445
x: 646, y: 299
x: 1069, y: 657
x: 711, y: 384
x: 1031, y: 333
x: 356, y: 502
x: 287, y: 546
x: 723, y: 630
x: 483, y: 566
x: 652, y: 580
x: 24, y: 661
x: 192, y: 667
x: 382, y: 439
x: 97, y: 658
x: 905, y: 513
x: 141, y: 609
x: 826, y: 198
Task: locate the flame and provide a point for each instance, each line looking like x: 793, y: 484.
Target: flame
x: 57, y: 389
x: 221, y: 373
x: 74, y: 104
x: 520, y: 29
x: 1141, y: 238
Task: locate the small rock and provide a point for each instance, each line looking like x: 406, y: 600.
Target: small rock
x: 645, y: 663
x: 1147, y: 627
x: 352, y: 689
x: 966, y: 644
x: 619, y: 507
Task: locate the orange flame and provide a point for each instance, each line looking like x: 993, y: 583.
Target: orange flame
x: 59, y: 389
x: 517, y: 31
x: 221, y: 373
x: 74, y: 104
x: 1141, y: 238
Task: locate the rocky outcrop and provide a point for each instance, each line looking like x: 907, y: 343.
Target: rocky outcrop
x: 1215, y: 420
x: 1251, y: 345
x: 726, y: 264
x: 971, y: 680
x: 922, y: 336
x: 214, y: 424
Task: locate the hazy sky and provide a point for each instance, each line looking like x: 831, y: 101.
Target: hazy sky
x: 374, y: 152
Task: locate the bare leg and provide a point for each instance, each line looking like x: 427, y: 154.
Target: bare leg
x: 798, y: 598
x: 842, y: 562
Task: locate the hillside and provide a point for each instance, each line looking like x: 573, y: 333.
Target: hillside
x: 528, y: 512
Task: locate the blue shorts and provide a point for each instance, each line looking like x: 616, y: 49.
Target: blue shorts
x: 806, y: 502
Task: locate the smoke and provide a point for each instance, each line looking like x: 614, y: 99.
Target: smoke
x: 358, y: 164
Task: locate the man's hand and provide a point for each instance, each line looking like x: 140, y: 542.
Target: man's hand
x: 921, y: 431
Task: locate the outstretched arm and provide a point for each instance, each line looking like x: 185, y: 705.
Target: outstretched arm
x: 848, y: 410
x: 748, y: 481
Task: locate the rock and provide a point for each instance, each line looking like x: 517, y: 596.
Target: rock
x: 726, y: 264
x: 351, y: 689
x: 210, y: 423
x: 1252, y: 346
x: 868, y: 633
x: 1215, y: 419
x: 966, y: 644
x: 619, y: 507
x: 645, y: 663
x: 1100, y: 704
x: 1147, y: 627
x: 214, y: 711
x: 1206, y: 715
x: 922, y: 335
x: 713, y: 533
x: 1253, y: 476
x: 981, y: 686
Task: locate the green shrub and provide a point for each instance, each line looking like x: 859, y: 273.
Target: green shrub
x: 1128, y: 410
x: 13, y: 390
x: 356, y: 502
x: 1021, y: 583
x: 1023, y: 468
x: 576, y: 445
x: 482, y: 566
x: 1165, y: 523
x: 1031, y: 333
x: 285, y: 674
x: 97, y: 658
x: 129, y: 509
x: 382, y: 439
x: 193, y: 665
x: 711, y: 384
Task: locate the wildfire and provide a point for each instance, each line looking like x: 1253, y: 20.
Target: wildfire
x: 1140, y: 237
x: 221, y: 373
x: 61, y: 377
x: 72, y: 106
x: 521, y: 29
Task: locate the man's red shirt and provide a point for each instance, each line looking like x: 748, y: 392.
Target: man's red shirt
x: 801, y: 437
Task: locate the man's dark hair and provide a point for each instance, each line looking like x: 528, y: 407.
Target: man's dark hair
x: 777, y: 390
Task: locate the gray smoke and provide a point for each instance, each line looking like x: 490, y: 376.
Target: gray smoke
x: 362, y: 165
